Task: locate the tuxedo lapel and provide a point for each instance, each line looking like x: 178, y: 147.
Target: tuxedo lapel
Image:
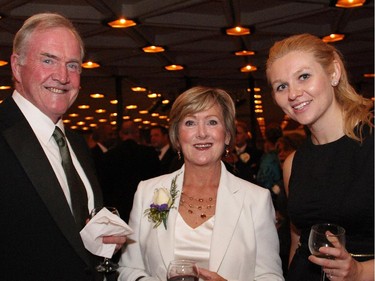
x: 229, y: 205
x: 30, y: 154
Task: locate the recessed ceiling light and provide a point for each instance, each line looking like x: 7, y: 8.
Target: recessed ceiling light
x: 97, y: 96
x: 248, y: 68
x: 244, y: 53
x: 238, y: 31
x: 73, y: 115
x: 3, y: 62
x: 174, y: 67
x: 369, y: 75
x: 5, y: 87
x: 334, y: 37
x: 131, y: 106
x: 349, y: 3
x: 90, y: 64
x: 83, y: 106
x: 153, y: 49
x: 100, y: 110
x: 121, y: 23
x: 138, y: 89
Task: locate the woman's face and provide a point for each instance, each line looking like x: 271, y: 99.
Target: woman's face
x: 203, y: 136
x: 302, y: 88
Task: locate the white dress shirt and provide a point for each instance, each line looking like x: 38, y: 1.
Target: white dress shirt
x: 43, y: 128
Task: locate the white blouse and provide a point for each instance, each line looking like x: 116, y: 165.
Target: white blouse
x: 193, y: 243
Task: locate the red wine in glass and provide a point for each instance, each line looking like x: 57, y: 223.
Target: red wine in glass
x: 182, y: 270
x: 183, y: 278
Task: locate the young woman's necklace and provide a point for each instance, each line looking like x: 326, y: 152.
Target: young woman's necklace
x: 198, y: 206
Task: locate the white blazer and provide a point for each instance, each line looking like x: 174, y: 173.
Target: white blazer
x: 244, y: 243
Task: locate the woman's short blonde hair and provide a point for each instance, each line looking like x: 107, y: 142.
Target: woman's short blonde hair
x: 198, y: 99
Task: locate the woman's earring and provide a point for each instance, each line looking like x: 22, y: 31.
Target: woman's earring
x: 226, y: 151
x: 334, y: 83
x: 179, y: 155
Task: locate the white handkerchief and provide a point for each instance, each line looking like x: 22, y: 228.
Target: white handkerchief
x: 104, y: 223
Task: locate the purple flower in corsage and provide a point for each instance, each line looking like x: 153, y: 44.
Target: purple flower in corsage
x: 162, y: 202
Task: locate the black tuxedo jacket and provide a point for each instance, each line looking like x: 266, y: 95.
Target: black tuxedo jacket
x: 166, y: 161
x: 39, y: 239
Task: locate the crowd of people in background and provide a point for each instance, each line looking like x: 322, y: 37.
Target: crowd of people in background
x: 226, y: 197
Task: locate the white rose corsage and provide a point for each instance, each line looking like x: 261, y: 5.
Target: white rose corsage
x: 245, y: 157
x: 162, y: 202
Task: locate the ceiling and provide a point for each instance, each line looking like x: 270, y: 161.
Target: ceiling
x: 192, y: 33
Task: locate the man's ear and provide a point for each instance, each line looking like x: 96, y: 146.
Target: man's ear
x: 16, y: 66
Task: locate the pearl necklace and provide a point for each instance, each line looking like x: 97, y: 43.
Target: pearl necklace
x: 197, y: 206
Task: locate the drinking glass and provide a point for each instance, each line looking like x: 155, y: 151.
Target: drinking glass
x: 322, y: 235
x: 106, y: 265
x: 182, y: 270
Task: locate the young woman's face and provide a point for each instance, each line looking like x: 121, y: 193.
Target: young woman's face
x: 202, y: 136
x: 302, y: 88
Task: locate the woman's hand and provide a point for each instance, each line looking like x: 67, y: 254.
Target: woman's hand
x: 343, y: 267
x: 209, y: 275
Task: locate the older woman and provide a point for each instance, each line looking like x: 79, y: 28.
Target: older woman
x: 220, y: 221
x: 331, y: 176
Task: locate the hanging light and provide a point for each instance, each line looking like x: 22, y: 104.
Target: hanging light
x: 153, y: 49
x: 238, y: 31
x: 248, y: 68
x: 334, y: 37
x: 349, y: 3
x: 121, y: 23
x: 174, y: 67
x: 90, y: 64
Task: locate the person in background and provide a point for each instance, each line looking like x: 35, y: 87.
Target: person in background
x: 330, y: 178
x: 202, y: 212
x: 105, y: 138
x: 40, y: 234
x: 285, y: 145
x: 269, y: 172
x: 160, y: 141
x: 245, y: 159
x: 125, y: 165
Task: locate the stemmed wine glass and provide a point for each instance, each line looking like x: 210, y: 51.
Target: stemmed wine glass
x: 182, y: 270
x: 322, y: 235
x: 106, y: 265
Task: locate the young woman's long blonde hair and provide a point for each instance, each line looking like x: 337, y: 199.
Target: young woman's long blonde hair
x: 357, y: 110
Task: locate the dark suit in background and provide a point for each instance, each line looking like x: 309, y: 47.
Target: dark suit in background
x: 125, y: 166
x: 39, y: 237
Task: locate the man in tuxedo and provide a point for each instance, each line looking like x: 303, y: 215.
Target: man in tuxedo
x: 160, y: 141
x: 126, y: 165
x: 38, y: 204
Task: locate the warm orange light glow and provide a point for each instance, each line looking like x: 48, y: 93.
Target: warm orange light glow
x: 248, y: 68
x: 238, y: 31
x: 138, y: 89
x: 244, y: 53
x: 369, y: 75
x: 334, y: 37
x: 349, y: 3
x: 121, y: 23
x: 97, y: 96
x: 5, y: 87
x: 174, y: 67
x: 3, y: 62
x: 90, y: 64
x: 153, y: 49
x: 84, y: 106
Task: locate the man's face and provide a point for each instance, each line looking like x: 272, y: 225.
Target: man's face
x: 49, y: 73
x: 158, y: 139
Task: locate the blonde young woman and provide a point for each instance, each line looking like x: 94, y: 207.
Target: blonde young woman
x: 331, y: 177
x: 202, y: 212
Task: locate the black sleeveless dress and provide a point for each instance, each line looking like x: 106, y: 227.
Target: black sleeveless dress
x: 332, y: 183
